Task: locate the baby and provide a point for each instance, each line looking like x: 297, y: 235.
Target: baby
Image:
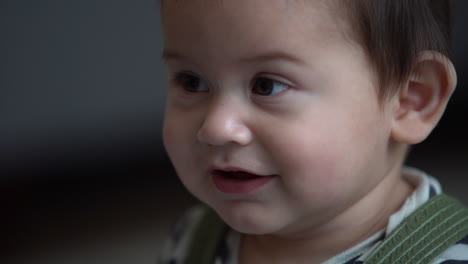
x: 291, y: 120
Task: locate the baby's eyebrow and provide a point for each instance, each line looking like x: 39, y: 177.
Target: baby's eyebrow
x: 268, y: 56
x: 272, y: 56
x: 172, y: 55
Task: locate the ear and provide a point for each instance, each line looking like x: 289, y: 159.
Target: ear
x: 423, y: 97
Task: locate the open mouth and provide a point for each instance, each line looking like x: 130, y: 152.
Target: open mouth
x: 235, y: 175
x: 239, y: 182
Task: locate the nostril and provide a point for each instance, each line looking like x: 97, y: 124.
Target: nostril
x: 200, y: 136
x: 220, y: 132
x: 209, y: 136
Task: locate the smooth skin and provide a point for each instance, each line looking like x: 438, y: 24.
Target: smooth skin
x: 279, y: 87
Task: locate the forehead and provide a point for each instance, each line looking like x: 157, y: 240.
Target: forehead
x: 249, y: 25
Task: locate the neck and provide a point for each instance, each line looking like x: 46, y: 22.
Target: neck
x: 352, y: 226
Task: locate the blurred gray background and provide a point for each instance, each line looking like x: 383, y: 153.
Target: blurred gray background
x: 83, y: 175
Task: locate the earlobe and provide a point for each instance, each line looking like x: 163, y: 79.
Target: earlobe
x: 423, y: 97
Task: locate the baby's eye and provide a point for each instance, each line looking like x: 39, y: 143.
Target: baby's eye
x: 265, y: 86
x: 190, y: 83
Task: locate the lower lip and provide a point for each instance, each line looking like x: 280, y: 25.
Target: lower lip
x: 239, y: 186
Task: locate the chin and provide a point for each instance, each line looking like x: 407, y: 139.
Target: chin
x: 245, y: 229
x: 250, y: 223
x: 251, y: 230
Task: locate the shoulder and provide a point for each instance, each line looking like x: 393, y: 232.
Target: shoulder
x: 176, y: 245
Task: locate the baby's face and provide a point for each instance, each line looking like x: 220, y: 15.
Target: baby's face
x: 272, y: 115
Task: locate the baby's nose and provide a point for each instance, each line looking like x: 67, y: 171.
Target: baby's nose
x: 224, y: 123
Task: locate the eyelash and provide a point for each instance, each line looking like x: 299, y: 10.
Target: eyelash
x: 257, y: 80
x: 187, y: 79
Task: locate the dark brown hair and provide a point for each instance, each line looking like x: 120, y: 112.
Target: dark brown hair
x: 394, y: 32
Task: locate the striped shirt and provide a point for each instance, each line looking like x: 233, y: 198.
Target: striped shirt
x: 426, y: 188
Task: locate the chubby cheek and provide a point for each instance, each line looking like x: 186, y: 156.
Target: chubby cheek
x: 171, y: 137
x: 310, y: 168
x: 322, y: 163
x: 186, y: 153
x: 179, y: 144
